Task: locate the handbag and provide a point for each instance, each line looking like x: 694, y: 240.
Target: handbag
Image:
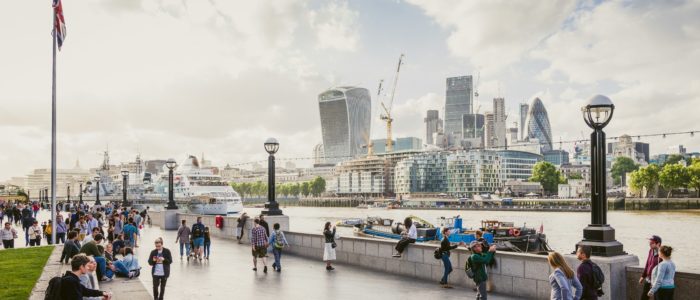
x: 333, y: 245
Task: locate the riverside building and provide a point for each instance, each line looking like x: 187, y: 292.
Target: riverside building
x: 421, y: 173
x: 473, y: 173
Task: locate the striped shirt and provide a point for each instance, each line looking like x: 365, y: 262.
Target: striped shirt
x: 258, y: 236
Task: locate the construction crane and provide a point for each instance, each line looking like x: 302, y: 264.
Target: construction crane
x: 386, y: 115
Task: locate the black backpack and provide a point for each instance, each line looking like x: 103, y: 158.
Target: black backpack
x: 438, y: 254
x: 197, y: 231
x: 53, y: 291
x: 598, y: 278
x: 469, y: 268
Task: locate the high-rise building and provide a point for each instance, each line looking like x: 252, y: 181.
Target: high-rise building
x: 433, y: 125
x: 518, y: 165
x: 473, y: 126
x: 473, y: 172
x: 400, y: 144
x: 538, y: 125
x: 458, y: 101
x: 499, y: 122
x: 345, y: 122
x: 489, y: 130
x: 524, y: 109
x: 512, y: 136
x: 421, y: 173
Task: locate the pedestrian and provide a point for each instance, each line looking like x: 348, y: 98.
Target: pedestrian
x: 70, y: 282
x: 653, y: 260
x: 585, y: 274
x: 258, y: 242
x: 130, y: 234
x: 241, y: 226
x: 408, y: 236
x: 207, y: 242
x: 565, y: 285
x: 329, y: 245
x: 160, y: 259
x: 8, y: 236
x: 264, y: 224
x: 91, y: 237
x: 278, y: 242
x: 662, y: 284
x: 61, y: 229
x: 47, y: 232
x: 118, y: 224
x: 82, y: 225
x: 445, y: 247
x: 35, y: 233
x: 27, y: 222
x: 478, y: 262
x: 183, y: 237
x: 91, y: 223
x: 198, y: 238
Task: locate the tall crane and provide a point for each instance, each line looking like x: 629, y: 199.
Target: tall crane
x: 386, y: 115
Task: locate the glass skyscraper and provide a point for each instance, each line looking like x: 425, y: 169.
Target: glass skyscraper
x: 345, y: 122
x: 538, y: 125
x: 458, y: 102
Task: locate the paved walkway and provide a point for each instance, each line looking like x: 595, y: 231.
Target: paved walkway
x: 228, y: 275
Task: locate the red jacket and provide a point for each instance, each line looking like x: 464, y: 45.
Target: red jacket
x: 652, y: 260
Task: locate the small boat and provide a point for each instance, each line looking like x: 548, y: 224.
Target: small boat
x: 458, y: 233
x: 387, y: 228
x: 350, y: 222
x: 508, y: 237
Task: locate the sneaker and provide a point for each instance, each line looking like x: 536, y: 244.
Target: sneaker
x: 188, y: 258
x: 397, y: 255
x: 328, y: 268
x: 255, y: 269
x: 279, y: 270
x: 274, y: 265
x: 446, y: 286
x: 331, y: 268
x: 106, y: 279
x: 265, y: 269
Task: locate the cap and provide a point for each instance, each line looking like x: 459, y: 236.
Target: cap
x: 656, y: 239
x: 473, y: 244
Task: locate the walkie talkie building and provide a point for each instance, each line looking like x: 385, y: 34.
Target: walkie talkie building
x: 345, y: 122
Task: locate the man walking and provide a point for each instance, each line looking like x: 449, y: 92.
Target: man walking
x: 198, y: 238
x: 585, y: 273
x: 652, y: 261
x: 258, y: 242
x: 264, y: 224
x: 183, y: 236
x: 8, y: 236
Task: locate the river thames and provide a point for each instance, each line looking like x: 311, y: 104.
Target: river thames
x: 563, y: 229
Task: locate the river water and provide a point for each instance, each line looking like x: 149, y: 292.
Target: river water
x: 563, y: 229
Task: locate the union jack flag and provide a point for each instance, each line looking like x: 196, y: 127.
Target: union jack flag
x: 59, y: 23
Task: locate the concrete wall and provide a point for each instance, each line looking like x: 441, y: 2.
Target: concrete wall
x: 687, y: 284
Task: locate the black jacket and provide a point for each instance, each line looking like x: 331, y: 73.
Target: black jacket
x: 587, y: 279
x: 263, y: 223
x: 71, y: 289
x: 167, y: 260
x: 446, y: 246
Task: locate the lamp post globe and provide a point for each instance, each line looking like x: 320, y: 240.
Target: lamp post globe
x: 272, y: 207
x: 171, y: 164
x: 599, y: 235
x: 97, y: 190
x: 125, y: 184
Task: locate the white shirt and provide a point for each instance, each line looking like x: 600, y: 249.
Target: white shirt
x: 158, y: 268
x: 413, y: 232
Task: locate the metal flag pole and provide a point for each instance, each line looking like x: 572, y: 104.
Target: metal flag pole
x: 53, y: 139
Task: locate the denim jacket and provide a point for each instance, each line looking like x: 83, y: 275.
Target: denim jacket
x: 662, y: 276
x: 562, y: 287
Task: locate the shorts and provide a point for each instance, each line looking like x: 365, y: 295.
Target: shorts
x: 259, y: 251
x: 198, y: 242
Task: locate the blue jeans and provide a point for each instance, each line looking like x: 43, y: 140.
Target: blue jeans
x: 207, y: 248
x: 122, y: 271
x: 101, y: 266
x: 448, y: 266
x: 186, y: 246
x: 278, y: 255
x: 60, y: 237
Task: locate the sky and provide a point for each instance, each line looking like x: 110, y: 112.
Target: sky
x: 168, y: 78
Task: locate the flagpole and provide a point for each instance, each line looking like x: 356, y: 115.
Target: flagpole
x: 53, y: 140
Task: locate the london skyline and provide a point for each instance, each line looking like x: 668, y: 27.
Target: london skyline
x: 219, y: 78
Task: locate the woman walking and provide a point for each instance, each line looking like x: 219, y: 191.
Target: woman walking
x: 329, y: 247
x: 563, y: 280
x: 662, y: 276
x: 278, y: 241
x: 445, y: 247
x: 160, y: 259
x: 207, y: 242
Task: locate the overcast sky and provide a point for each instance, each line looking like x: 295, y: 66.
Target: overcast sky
x: 170, y: 78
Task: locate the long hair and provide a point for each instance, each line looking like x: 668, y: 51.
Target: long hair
x: 407, y: 223
x: 557, y: 261
x: 327, y: 226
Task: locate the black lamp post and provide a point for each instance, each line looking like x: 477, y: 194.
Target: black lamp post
x: 97, y: 191
x: 599, y: 235
x: 68, y: 193
x: 80, y: 196
x: 171, y: 164
x: 46, y: 195
x: 125, y: 183
x: 41, y: 197
x: 273, y: 208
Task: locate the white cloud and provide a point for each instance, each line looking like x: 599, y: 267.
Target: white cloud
x: 335, y: 25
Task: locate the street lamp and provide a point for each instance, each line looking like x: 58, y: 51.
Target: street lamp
x: 80, y: 196
x: 97, y: 191
x: 125, y: 182
x: 599, y: 235
x: 171, y: 164
x: 271, y: 146
x: 46, y: 195
x: 68, y: 193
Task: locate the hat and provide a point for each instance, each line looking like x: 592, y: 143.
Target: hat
x: 656, y: 239
x: 473, y: 244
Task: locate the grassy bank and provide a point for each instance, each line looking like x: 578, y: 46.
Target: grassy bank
x: 20, y: 269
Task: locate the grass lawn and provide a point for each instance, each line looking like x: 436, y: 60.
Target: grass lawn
x: 20, y: 269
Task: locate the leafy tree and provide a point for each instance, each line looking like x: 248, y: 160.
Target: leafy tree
x: 672, y: 177
x: 318, y: 186
x: 621, y: 166
x: 305, y: 189
x: 645, y: 178
x: 694, y: 176
x: 575, y: 176
x: 547, y: 175
x: 673, y: 159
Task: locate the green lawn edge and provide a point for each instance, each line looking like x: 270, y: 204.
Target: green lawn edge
x: 20, y: 270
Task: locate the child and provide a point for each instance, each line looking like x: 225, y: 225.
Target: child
x: 207, y: 243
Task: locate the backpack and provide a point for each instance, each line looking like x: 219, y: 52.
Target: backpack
x: 469, y: 268
x: 278, y: 242
x: 598, y: 279
x: 53, y: 291
x: 437, y: 254
x: 197, y: 231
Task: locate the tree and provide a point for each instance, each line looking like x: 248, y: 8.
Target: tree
x: 673, y: 159
x: 318, y: 186
x: 575, y: 176
x: 694, y: 176
x: 295, y: 189
x: 645, y: 178
x: 547, y: 175
x: 621, y: 166
x: 672, y: 177
x: 305, y: 189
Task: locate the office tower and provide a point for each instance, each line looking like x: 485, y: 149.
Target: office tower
x: 433, y: 125
x: 524, y: 108
x: 512, y: 136
x: 538, y: 125
x: 489, y: 130
x: 473, y: 126
x: 458, y: 101
x: 345, y: 122
x: 499, y: 122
